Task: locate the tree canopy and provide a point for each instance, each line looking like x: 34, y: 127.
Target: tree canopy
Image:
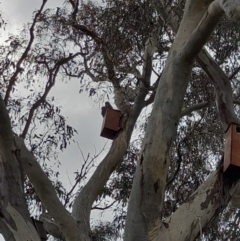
x: 172, y: 70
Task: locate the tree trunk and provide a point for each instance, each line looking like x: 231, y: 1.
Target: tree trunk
x: 15, y: 221
x: 144, y: 220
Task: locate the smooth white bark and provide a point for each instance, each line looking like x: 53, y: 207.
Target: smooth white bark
x: 145, y: 205
x: 47, y: 194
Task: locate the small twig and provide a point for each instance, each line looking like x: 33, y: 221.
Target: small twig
x: 234, y: 73
x: 106, y: 207
x: 83, y: 172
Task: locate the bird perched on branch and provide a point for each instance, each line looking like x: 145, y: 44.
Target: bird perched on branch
x: 104, y: 108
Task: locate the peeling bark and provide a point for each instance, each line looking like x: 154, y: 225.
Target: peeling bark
x: 204, y: 204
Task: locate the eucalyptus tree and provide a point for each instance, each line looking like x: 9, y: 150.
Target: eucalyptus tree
x: 181, y: 58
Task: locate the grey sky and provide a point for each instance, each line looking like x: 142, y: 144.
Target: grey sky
x: 80, y: 111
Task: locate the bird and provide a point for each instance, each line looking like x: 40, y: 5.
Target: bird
x: 104, y: 108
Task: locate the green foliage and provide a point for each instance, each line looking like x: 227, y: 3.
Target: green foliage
x: 62, y: 44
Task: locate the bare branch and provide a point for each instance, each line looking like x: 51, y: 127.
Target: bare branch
x: 215, y: 73
x: 123, y: 96
x: 36, y: 105
x: 223, y: 90
x: 99, y: 41
x: 104, y: 208
x: 234, y: 73
x: 88, y: 32
x: 89, y: 73
x: 150, y: 49
x: 13, y: 79
x: 150, y: 100
x: 83, y: 203
x: 85, y: 168
x: 46, y: 193
x: 75, y: 6
x: 64, y: 60
x: 5, y: 127
x: 202, y: 32
x: 231, y: 8
x: 189, y: 110
x: 50, y: 83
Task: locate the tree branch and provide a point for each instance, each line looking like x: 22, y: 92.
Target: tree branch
x: 129, y: 70
x: 153, y: 88
x: 237, y: 102
x: 50, y: 83
x: 99, y: 41
x: 83, y: 203
x: 234, y: 73
x: 123, y: 96
x: 75, y: 5
x: 189, y: 110
x: 24, y: 55
x: 37, y: 104
x: 89, y: 73
x: 231, y: 8
x: 104, y: 208
x: 223, y: 90
x: 206, y: 202
x: 201, y: 33
x: 13, y: 204
x: 221, y: 82
x: 150, y: 49
x: 50, y: 226
x: 47, y: 194
x: 148, y: 190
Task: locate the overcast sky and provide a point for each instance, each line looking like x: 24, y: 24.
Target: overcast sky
x: 80, y: 111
